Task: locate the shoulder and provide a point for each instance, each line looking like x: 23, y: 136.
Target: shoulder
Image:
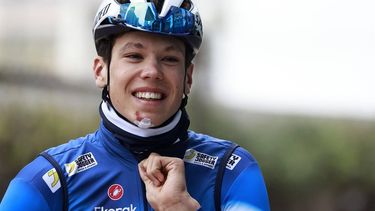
x: 61, y: 154
x: 219, y: 146
x: 243, y: 183
x: 40, y: 166
x: 239, y: 162
x: 209, y: 151
x: 73, y: 146
x: 36, y: 182
x: 41, y: 176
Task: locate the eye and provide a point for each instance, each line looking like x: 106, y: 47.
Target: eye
x: 171, y: 59
x: 133, y: 57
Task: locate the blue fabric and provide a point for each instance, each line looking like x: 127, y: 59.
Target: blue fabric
x: 102, y: 174
x: 256, y: 199
x: 23, y: 196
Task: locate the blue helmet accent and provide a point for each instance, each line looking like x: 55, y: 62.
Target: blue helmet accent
x: 178, y: 18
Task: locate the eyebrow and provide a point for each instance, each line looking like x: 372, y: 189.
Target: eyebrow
x: 175, y: 48
x: 138, y: 45
x: 131, y: 45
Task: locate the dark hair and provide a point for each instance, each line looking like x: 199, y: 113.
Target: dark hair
x: 104, y: 49
x: 189, y: 55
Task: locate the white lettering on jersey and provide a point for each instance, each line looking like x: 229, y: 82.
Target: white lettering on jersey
x: 233, y: 161
x: 81, y: 163
x: 130, y: 208
x: 199, y: 158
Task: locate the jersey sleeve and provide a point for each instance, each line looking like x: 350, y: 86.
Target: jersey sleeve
x: 21, y: 195
x: 36, y: 187
x: 243, y: 185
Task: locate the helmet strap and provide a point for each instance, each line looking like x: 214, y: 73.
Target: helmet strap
x: 185, y: 96
x: 105, y: 92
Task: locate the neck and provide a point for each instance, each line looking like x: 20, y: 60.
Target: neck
x: 168, y: 140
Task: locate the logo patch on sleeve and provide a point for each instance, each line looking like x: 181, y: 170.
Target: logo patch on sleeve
x: 233, y: 161
x: 199, y: 158
x: 80, y: 164
x: 51, y: 178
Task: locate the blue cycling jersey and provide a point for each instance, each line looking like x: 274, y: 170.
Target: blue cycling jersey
x: 102, y: 175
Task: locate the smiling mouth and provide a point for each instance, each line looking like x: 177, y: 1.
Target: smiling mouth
x: 150, y: 96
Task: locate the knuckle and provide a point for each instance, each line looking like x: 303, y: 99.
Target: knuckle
x: 153, y: 155
x: 154, y: 172
x: 178, y: 161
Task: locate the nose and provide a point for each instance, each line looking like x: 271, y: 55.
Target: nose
x: 152, y: 70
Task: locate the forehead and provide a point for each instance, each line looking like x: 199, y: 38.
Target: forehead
x: 148, y: 41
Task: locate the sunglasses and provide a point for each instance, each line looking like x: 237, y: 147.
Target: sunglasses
x: 186, y: 4
x: 144, y: 16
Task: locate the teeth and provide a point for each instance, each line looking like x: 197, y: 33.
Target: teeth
x: 148, y: 95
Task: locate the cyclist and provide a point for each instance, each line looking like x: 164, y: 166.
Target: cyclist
x: 142, y: 157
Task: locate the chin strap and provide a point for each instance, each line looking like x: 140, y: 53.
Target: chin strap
x: 105, y: 94
x: 105, y: 91
x: 185, y: 96
x: 184, y: 101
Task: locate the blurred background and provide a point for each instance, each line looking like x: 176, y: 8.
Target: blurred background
x: 291, y: 81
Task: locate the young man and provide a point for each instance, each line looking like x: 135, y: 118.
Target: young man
x: 142, y: 157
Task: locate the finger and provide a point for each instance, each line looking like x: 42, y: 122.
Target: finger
x: 145, y: 171
x: 172, y: 164
x: 142, y: 173
x: 154, y: 169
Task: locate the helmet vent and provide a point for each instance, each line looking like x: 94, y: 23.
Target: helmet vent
x: 158, y: 5
x: 186, y: 4
x: 123, y: 1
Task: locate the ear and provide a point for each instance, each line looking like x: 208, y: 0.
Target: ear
x: 189, y: 78
x: 100, y: 72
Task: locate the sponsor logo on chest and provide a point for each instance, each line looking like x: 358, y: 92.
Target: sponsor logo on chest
x: 80, y: 164
x: 200, y: 158
x: 115, y: 192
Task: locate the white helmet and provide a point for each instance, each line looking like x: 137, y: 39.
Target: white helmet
x: 179, y: 18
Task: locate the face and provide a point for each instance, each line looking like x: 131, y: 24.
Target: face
x: 147, y: 74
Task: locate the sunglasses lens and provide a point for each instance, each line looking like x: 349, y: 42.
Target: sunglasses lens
x: 144, y: 16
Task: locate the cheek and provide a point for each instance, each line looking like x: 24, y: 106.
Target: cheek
x: 119, y: 77
x: 180, y: 84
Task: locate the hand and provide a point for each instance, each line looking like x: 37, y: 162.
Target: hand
x: 164, y: 178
